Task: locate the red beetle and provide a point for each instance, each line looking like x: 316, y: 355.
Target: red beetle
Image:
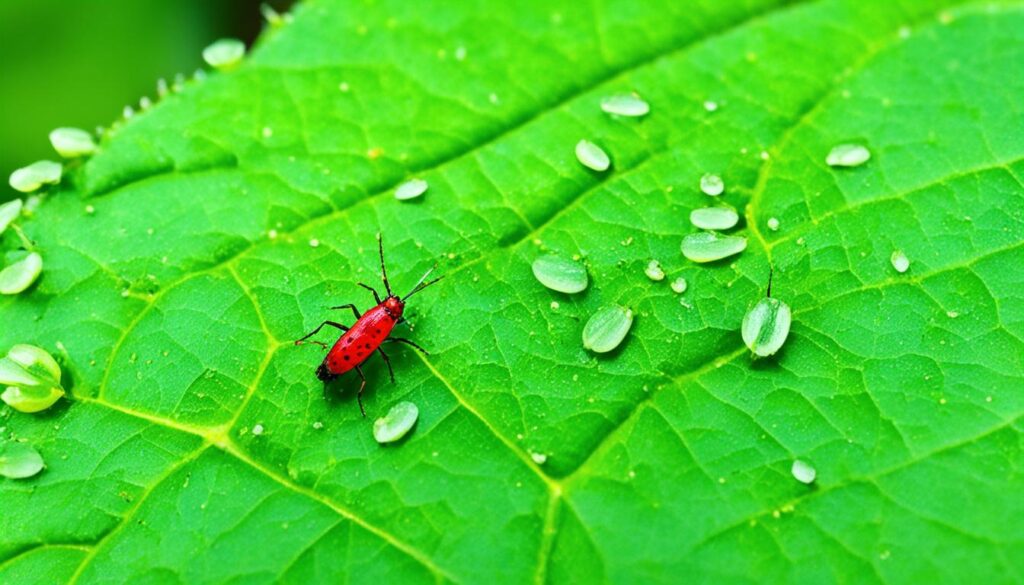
x: 371, y: 330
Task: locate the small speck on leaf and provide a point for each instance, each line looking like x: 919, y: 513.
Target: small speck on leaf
x: 224, y: 53
x: 411, y: 189
x: 654, y: 271
x: 848, y: 155
x: 803, y: 472
x: 712, y: 185
x: 592, y: 156
x: 625, y: 105
x: 900, y: 261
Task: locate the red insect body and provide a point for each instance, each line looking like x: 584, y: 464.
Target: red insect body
x: 367, y: 334
x: 362, y: 339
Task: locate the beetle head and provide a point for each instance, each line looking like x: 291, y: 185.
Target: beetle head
x: 394, y: 307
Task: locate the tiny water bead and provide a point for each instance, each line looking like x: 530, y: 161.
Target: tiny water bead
x: 21, y: 274
x: 606, y: 328
x: 848, y: 155
x: 592, y: 156
x: 224, y: 53
x: 625, y: 105
x: 32, y: 379
x: 773, y: 224
x: 560, y: 274
x: 539, y: 458
x: 72, y: 142
x: 766, y: 326
x: 712, y: 185
x: 31, y: 178
x: 900, y: 261
x: 411, y: 189
x: 722, y: 217
x: 9, y: 212
x: 19, y: 460
x: 711, y: 246
x: 399, y: 420
x: 679, y: 285
x: 803, y: 472
x: 654, y: 271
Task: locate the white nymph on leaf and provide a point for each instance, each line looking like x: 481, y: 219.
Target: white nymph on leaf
x: 560, y: 274
x: 592, y: 156
x: 606, y: 328
x: 399, y: 420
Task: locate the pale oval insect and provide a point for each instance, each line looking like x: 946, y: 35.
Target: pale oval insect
x: 900, y: 261
x: 399, y: 420
x: 625, y: 105
x: 712, y: 185
x: 20, y: 275
x: 9, y: 212
x: 224, y: 53
x: 31, y: 178
x: 848, y: 155
x: 679, y: 285
x: 722, y: 217
x: 560, y: 274
x: 592, y: 156
x: 19, y: 460
x: 711, y: 246
x: 803, y: 472
x: 766, y: 326
x: 606, y: 328
x: 72, y: 142
x: 411, y: 189
x: 654, y: 271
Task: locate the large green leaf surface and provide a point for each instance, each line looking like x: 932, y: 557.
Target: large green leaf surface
x: 667, y: 460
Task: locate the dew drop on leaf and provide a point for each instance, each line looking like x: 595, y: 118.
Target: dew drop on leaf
x: 766, y: 326
x: 712, y: 185
x: 396, y: 424
x: 654, y: 271
x: 848, y: 155
x: 900, y: 261
x: 560, y: 274
x: 224, y: 53
x: 712, y: 246
x: 411, y: 189
x: 257, y: 430
x: 773, y: 224
x: 19, y: 461
x: 803, y: 471
x: 714, y: 218
x: 592, y: 156
x: 679, y: 285
x: 539, y: 458
x: 20, y: 275
x: 72, y: 142
x: 8, y: 213
x: 31, y: 178
x: 625, y: 105
x: 606, y: 328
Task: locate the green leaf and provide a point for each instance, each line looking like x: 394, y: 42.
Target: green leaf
x: 177, y: 301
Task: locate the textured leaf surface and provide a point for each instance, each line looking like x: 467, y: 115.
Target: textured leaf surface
x: 177, y: 301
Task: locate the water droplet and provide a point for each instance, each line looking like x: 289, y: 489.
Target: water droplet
x: 314, y: 243
x: 606, y: 328
x: 900, y: 261
x: 847, y: 155
x: 712, y: 246
x: 20, y: 275
x: 19, y: 461
x: 625, y: 105
x: 803, y: 471
x: 773, y: 224
x: 712, y: 185
x: 710, y: 106
x: 257, y: 430
x: 679, y: 285
x: 539, y: 458
x: 224, y: 53
x: 591, y: 156
x: 31, y: 178
x: 72, y: 142
x: 9, y: 212
x: 560, y: 274
x: 318, y: 425
x: 399, y: 420
x: 714, y: 218
x: 411, y: 189
x: 654, y: 271
x: 766, y: 326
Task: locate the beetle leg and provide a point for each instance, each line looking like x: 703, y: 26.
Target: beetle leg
x: 362, y: 387
x: 317, y: 330
x: 376, y: 296
x: 407, y: 342
x: 349, y: 306
x: 388, y: 362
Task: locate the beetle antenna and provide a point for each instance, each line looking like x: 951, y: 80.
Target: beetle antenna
x: 383, y: 269
x: 771, y: 273
x: 421, y: 285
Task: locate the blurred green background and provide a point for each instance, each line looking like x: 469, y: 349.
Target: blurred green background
x: 78, y: 63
